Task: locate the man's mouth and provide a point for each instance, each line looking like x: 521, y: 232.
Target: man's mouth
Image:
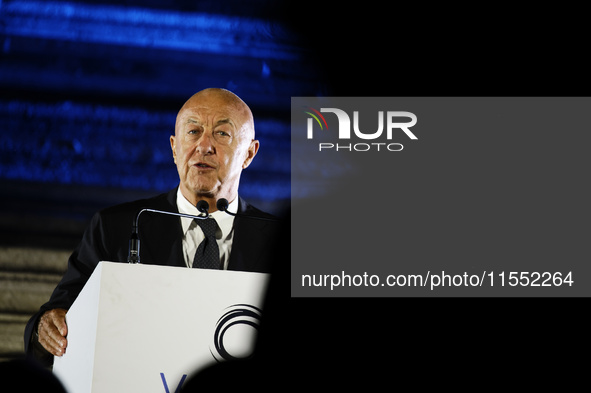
x: 203, y: 165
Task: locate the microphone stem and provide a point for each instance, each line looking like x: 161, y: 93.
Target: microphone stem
x: 134, y: 247
x: 200, y: 217
x: 134, y: 241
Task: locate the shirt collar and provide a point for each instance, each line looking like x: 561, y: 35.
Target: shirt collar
x: 225, y: 221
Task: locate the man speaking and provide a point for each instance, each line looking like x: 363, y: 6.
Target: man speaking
x: 214, y: 141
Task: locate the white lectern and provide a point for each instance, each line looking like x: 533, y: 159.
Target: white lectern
x: 145, y: 328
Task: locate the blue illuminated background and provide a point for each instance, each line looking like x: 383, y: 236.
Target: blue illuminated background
x: 90, y: 91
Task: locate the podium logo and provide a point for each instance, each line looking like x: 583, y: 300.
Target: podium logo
x: 395, y: 122
x: 235, y: 333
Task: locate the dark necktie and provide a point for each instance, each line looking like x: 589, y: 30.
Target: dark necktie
x: 207, y: 255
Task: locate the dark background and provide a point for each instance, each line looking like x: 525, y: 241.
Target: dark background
x: 86, y: 117
x: 492, y: 49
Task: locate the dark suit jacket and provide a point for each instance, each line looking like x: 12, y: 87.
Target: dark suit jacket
x: 107, y: 239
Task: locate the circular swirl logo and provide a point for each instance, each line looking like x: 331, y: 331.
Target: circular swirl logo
x: 235, y: 332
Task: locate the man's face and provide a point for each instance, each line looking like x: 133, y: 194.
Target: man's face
x: 213, y: 142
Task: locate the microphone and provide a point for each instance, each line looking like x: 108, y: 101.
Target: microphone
x: 134, y: 241
x: 203, y: 207
x: 222, y: 204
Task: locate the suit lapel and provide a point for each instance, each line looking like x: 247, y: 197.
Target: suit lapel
x: 161, y: 240
x: 249, y: 242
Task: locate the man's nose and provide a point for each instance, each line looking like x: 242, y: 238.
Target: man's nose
x: 205, y: 144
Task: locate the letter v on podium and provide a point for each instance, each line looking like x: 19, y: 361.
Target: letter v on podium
x: 178, y: 388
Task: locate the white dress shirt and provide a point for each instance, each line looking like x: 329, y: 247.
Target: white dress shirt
x: 193, y: 235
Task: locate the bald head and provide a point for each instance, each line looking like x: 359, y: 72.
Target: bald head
x: 221, y: 98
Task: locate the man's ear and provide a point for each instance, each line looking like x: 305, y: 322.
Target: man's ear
x: 172, y: 146
x: 251, y: 152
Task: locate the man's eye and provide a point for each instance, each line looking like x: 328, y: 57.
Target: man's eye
x: 223, y: 133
